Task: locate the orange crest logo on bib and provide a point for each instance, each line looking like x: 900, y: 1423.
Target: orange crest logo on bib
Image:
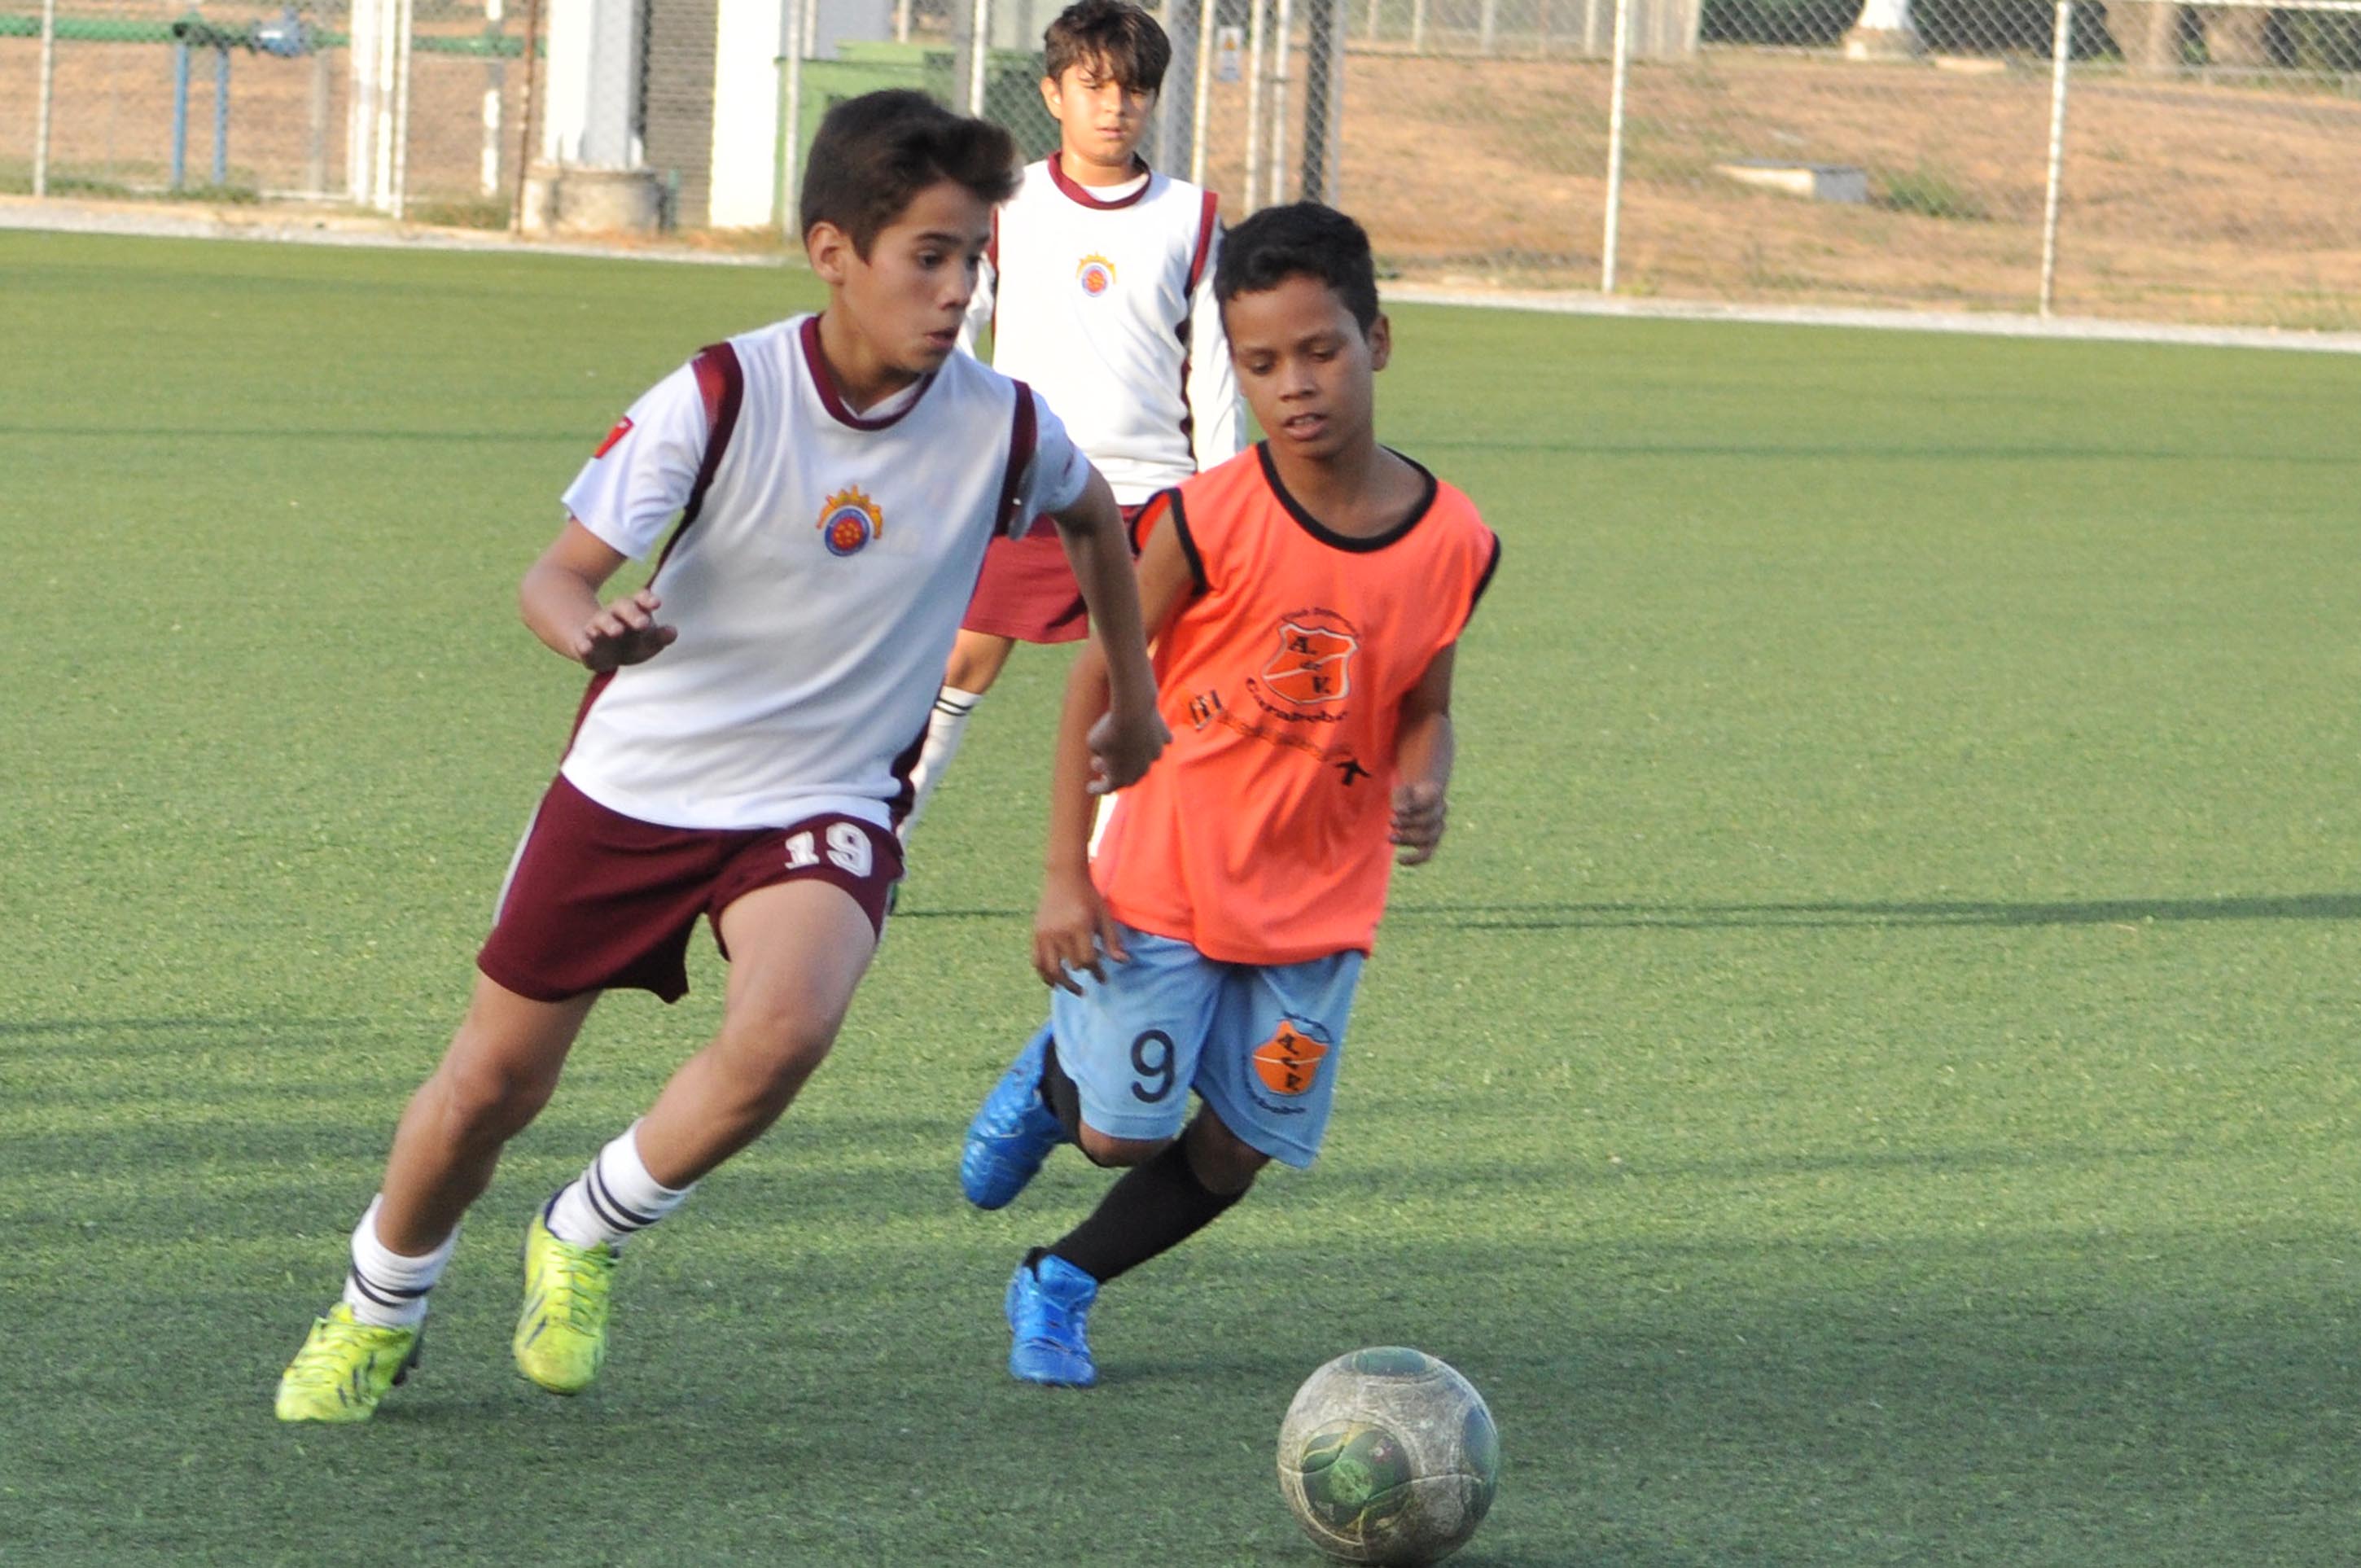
x: 1289, y: 1062
x: 849, y: 521
x: 1095, y: 274
x: 1314, y: 663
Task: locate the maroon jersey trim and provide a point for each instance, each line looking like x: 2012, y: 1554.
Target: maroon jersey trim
x: 1082, y: 193
x: 1207, y: 226
x: 721, y: 383
x: 832, y: 397
x: 1024, y: 434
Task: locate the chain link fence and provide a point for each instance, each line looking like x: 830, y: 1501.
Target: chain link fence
x: 410, y: 109
x: 2131, y: 159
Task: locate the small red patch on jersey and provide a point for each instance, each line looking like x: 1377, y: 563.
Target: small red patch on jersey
x: 622, y: 428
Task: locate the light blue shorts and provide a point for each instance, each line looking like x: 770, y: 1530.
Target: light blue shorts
x: 1260, y: 1044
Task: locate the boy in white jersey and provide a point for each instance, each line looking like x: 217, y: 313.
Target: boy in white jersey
x: 1098, y: 290
x: 745, y: 756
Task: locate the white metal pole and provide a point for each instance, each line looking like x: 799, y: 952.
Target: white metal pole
x: 2060, y: 49
x: 1615, y: 145
x: 1255, y: 86
x: 1418, y: 26
x: 360, y: 104
x: 1205, y: 92
x: 1332, y: 170
x: 49, y: 84
x: 388, y: 38
x: 791, y: 137
x: 493, y: 74
x: 900, y: 21
x: 1283, y: 28
x: 979, y: 47
x: 400, y: 188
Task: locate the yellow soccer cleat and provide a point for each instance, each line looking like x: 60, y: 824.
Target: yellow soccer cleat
x: 345, y: 1368
x: 560, y: 1335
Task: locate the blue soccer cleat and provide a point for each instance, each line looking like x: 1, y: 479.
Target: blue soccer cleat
x: 1049, y: 1307
x: 1013, y: 1132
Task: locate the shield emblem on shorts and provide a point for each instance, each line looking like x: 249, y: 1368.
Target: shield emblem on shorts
x: 1289, y: 1062
x: 1314, y: 663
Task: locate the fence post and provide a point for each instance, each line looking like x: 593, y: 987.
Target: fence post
x: 1615, y: 145
x: 791, y: 135
x: 978, y: 55
x: 524, y: 120
x: 2060, y: 51
x: 1254, y: 101
x: 1204, y: 93
x: 1283, y: 28
x: 180, y: 114
x: 49, y: 81
x: 399, y: 185
x: 221, y: 116
x: 494, y: 72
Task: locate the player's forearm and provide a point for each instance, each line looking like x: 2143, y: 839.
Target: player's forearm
x: 556, y: 604
x: 1101, y: 557
x: 1071, y: 806
x: 1423, y: 750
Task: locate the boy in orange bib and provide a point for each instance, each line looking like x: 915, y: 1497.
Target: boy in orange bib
x: 1307, y: 599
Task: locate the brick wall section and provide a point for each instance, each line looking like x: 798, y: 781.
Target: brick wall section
x: 680, y: 100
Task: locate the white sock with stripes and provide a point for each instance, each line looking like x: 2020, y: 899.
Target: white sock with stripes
x: 384, y: 1289
x: 614, y: 1199
x: 945, y: 727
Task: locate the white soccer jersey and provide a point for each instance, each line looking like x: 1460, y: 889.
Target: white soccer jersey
x: 815, y: 588
x: 1107, y: 307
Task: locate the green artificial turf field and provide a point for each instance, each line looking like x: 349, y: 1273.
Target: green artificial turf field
x: 1871, y: 1078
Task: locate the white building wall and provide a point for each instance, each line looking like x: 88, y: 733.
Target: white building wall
x: 746, y: 112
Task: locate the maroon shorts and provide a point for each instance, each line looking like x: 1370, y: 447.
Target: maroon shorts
x: 598, y: 901
x: 1026, y: 589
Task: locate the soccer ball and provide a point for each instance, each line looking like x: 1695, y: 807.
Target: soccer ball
x: 1388, y: 1455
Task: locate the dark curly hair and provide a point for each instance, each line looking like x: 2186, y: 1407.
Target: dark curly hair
x: 1303, y: 239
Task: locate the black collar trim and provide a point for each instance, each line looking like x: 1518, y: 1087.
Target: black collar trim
x: 1329, y: 536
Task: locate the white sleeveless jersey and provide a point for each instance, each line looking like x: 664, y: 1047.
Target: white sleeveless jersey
x: 1107, y: 307
x: 816, y: 583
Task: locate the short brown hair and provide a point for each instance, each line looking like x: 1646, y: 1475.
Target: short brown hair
x: 1121, y: 38
x: 875, y: 154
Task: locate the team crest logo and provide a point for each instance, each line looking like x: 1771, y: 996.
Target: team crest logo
x: 1096, y: 275
x: 1314, y: 663
x: 849, y: 521
x: 1289, y: 1062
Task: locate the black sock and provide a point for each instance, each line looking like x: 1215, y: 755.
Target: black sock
x: 1156, y: 1205
x: 1058, y: 1093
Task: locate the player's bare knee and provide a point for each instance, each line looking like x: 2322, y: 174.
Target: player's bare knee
x: 487, y: 1097
x: 976, y: 661
x: 773, y: 1051
x: 1112, y: 1152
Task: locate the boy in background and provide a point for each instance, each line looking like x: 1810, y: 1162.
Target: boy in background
x: 837, y: 477
x: 1098, y: 291
x: 1305, y: 599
